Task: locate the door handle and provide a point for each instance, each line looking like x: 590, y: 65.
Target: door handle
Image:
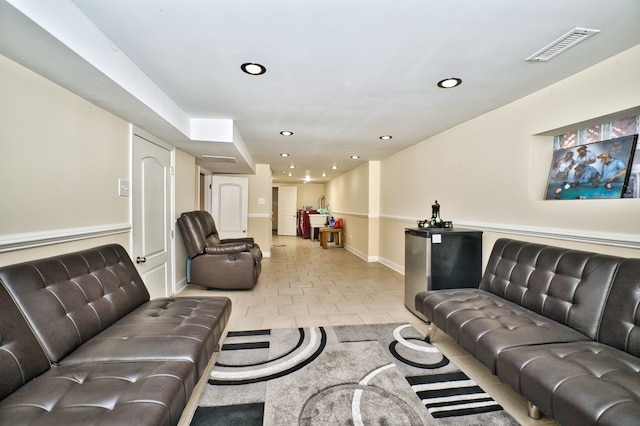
x: 244, y: 231
x: 141, y: 259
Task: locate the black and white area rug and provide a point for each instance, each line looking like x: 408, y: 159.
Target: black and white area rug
x: 382, y: 374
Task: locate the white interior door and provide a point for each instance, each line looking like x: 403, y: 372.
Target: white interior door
x: 230, y: 205
x: 151, y: 215
x: 287, y: 212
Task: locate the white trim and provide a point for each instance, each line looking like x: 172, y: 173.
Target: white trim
x: 602, y: 238
x: 365, y: 215
x: 401, y: 219
x: 358, y: 253
x: 259, y: 215
x: 181, y: 285
x: 391, y: 265
x: 37, y: 239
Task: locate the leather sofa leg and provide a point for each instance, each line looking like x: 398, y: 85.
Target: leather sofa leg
x: 430, y: 332
x: 534, y: 412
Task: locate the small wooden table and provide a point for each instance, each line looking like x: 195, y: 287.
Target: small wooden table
x: 324, y: 236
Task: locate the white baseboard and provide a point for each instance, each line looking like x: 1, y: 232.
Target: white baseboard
x: 391, y: 265
x: 181, y: 285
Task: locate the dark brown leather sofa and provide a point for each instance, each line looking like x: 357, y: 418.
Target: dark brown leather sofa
x: 562, y: 327
x: 232, y: 263
x: 81, y: 343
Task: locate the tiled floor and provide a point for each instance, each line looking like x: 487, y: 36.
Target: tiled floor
x: 303, y: 284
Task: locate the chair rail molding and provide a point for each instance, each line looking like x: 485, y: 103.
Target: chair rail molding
x: 577, y: 235
x: 26, y: 240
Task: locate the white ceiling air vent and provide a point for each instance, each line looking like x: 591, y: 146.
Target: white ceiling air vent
x: 565, y: 42
x: 219, y: 158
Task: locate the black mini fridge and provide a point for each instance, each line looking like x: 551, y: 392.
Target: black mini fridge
x: 436, y: 259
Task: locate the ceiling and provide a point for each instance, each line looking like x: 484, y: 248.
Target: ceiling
x: 340, y: 73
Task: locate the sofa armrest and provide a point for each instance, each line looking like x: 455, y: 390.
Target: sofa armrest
x: 248, y: 240
x: 230, y: 248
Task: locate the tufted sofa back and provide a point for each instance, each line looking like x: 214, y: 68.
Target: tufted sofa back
x: 198, y: 230
x: 568, y: 286
x: 620, y: 326
x: 21, y: 358
x: 71, y: 298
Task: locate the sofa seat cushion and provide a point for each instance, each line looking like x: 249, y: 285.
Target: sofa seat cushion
x: 485, y: 324
x: 176, y: 328
x: 555, y: 378
x: 131, y: 393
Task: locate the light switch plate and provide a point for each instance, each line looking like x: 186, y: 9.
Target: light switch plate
x: 261, y: 200
x: 123, y: 188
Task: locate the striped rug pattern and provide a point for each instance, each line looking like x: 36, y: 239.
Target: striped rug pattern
x: 356, y: 375
x: 451, y: 395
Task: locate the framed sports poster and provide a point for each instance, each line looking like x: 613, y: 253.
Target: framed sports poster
x: 596, y: 170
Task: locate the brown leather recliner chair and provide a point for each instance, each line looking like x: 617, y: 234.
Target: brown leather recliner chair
x: 232, y: 263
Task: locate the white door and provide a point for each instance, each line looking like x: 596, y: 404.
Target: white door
x: 151, y: 215
x: 287, y: 212
x: 230, y: 205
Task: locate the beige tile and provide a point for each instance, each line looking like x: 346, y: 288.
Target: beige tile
x: 345, y: 319
x: 332, y: 298
x: 262, y: 311
x: 352, y: 308
x: 305, y: 299
x: 279, y: 322
x: 249, y: 301
x: 301, y: 284
x: 312, y: 320
x: 323, y: 308
x: 376, y: 318
x: 278, y: 300
x: 315, y: 291
x: 244, y: 324
x: 290, y: 292
x: 293, y: 310
x: 323, y: 284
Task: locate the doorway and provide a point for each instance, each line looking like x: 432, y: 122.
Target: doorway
x: 152, y: 237
x: 287, y: 212
x: 228, y: 203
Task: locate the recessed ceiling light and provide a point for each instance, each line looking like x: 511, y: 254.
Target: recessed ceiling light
x: 355, y: 157
x: 324, y: 174
x: 284, y: 154
x: 253, y: 69
x: 334, y: 167
x: 386, y: 137
x: 286, y: 133
x: 448, y: 83
x: 292, y: 166
x: 290, y: 174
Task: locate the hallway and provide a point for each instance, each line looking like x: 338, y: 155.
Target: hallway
x: 302, y: 284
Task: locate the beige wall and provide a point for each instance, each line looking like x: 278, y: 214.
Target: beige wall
x: 348, y: 197
x: 492, y: 171
x: 309, y: 194
x: 61, y: 158
x: 260, y: 214
x: 186, y: 199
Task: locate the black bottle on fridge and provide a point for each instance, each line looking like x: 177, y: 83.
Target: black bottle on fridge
x: 436, y: 259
